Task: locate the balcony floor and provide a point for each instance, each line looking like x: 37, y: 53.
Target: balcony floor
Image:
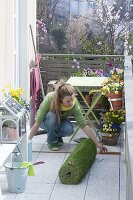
x: 106, y: 180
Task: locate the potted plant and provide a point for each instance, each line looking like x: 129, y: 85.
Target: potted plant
x: 110, y: 128
x: 109, y: 133
x: 113, y: 88
x: 86, y: 71
x: 114, y: 116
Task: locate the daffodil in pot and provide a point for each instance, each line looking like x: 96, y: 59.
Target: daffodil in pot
x: 113, y: 88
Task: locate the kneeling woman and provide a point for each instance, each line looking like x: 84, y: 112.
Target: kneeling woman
x: 54, y: 112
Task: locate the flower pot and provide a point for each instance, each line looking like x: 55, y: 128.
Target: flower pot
x: 115, y: 100
x: 110, y: 141
x: 99, y: 104
x: 87, y: 97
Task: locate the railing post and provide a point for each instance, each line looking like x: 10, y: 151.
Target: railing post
x: 128, y: 81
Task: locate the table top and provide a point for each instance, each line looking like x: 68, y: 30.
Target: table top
x: 87, y: 81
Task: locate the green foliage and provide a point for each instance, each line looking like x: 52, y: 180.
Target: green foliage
x: 115, y: 116
x: 95, y: 45
x: 59, y: 36
x: 130, y: 43
x: 105, y: 102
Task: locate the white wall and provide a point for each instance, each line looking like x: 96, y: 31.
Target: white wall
x: 6, y: 42
x: 26, y: 16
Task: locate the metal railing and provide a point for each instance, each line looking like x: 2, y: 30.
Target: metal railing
x: 128, y: 81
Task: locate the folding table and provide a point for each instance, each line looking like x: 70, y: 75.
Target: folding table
x: 91, y: 82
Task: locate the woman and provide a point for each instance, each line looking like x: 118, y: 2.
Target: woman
x: 54, y: 112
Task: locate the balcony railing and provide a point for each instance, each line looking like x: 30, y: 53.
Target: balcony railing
x: 57, y: 66
x: 128, y: 79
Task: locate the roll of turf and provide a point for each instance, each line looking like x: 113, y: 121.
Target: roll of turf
x: 78, y: 162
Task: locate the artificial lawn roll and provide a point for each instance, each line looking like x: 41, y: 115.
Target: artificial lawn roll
x: 78, y: 162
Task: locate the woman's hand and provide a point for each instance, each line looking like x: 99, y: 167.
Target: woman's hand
x: 102, y: 148
x: 91, y: 134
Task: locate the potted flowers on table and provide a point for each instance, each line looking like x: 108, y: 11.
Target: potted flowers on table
x: 86, y: 71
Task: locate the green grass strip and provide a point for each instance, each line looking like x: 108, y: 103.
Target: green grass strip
x: 78, y: 162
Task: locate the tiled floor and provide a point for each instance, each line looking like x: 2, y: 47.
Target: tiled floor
x: 104, y: 181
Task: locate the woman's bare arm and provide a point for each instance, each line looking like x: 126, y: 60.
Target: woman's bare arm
x: 91, y: 135
x: 34, y: 130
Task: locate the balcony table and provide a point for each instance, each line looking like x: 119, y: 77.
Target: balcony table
x: 90, y: 82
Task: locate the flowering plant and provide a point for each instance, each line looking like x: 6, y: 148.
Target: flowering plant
x: 16, y: 94
x: 111, y: 86
x: 114, y: 116
x: 115, y: 82
x: 117, y: 74
x: 109, y: 129
x: 89, y: 72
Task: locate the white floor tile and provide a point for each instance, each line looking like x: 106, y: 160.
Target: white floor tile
x: 41, y: 188
x: 68, y: 192
x: 101, y: 193
x: 25, y: 196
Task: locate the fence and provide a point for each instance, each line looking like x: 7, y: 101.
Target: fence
x: 57, y: 66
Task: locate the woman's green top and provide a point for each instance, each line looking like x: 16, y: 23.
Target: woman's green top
x: 75, y: 111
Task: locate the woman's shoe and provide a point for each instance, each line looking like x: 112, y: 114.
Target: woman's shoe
x: 60, y: 141
x: 53, y: 147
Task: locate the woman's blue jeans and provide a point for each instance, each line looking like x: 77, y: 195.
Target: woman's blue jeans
x: 55, y: 130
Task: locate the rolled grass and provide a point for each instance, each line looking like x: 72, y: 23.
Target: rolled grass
x: 78, y: 162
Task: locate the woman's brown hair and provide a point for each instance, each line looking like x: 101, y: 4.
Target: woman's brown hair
x: 62, y: 90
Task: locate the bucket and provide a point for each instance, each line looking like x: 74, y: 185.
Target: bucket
x: 16, y: 177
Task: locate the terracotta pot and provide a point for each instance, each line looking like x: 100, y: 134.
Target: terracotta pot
x: 110, y: 141
x: 88, y: 98
x: 115, y: 100
x: 99, y: 104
